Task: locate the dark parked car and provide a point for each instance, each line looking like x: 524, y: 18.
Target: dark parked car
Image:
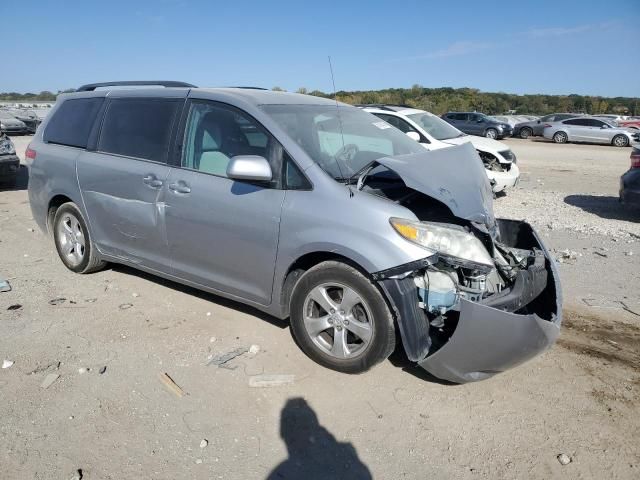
x: 28, y: 117
x: 9, y: 162
x: 10, y: 124
x: 473, y: 123
x: 534, y: 128
x: 630, y: 181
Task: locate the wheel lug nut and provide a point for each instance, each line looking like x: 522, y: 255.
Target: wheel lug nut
x: 332, y: 311
x: 341, y: 312
x: 346, y: 322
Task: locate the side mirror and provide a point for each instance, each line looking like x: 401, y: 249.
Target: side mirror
x: 249, y: 168
x: 538, y: 121
x: 413, y: 135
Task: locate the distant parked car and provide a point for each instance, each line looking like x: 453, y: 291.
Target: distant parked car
x: 434, y: 133
x: 473, y: 123
x: 633, y: 123
x: 630, y: 181
x: 28, y: 117
x: 534, y: 128
x: 589, y: 130
x: 10, y: 124
x: 9, y: 162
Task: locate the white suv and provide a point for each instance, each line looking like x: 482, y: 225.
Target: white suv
x: 434, y: 133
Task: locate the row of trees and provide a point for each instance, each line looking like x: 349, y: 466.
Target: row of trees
x: 441, y: 100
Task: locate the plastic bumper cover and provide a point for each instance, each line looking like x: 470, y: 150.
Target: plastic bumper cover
x: 9, y: 165
x: 486, y: 340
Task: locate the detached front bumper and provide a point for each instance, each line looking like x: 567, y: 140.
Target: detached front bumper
x: 486, y: 340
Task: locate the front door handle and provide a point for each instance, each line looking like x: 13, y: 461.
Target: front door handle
x: 179, y: 187
x: 152, y: 181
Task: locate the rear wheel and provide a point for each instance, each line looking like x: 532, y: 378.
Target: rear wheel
x: 491, y: 133
x: 620, y: 141
x: 73, y: 241
x: 525, y: 132
x: 340, y: 319
x: 560, y: 137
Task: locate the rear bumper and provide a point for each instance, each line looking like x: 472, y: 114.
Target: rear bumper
x: 486, y: 340
x: 630, y: 187
x: 9, y: 166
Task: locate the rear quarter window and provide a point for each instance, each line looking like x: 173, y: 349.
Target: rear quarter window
x: 72, y: 122
x: 139, y: 128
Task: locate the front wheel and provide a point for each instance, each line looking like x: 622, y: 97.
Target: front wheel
x: 340, y: 319
x: 491, y: 133
x: 560, y: 137
x: 73, y: 241
x: 620, y: 141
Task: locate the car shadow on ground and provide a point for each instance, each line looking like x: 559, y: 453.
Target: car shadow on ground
x: 314, y: 453
x: 22, y: 182
x: 604, y: 206
x: 209, y: 297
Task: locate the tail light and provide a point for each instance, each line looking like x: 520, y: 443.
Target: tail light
x: 546, y: 125
x: 29, y: 155
x: 635, y: 159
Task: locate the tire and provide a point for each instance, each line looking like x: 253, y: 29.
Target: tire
x: 491, y: 133
x: 526, y: 132
x: 73, y: 240
x: 560, y: 137
x: 620, y: 141
x: 367, y: 314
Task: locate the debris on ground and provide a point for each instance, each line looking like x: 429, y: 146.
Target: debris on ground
x: 78, y: 475
x: 564, y: 459
x: 83, y: 370
x: 171, y: 385
x: 628, y: 254
x: 262, y: 381
x: 15, y: 306
x: 5, y: 286
x: 253, y: 350
x: 125, y: 306
x: 198, y: 461
x: 45, y: 368
x: 91, y: 300
x: 57, y: 301
x: 602, y: 254
x: 222, y: 359
x: 102, y: 370
x: 7, y: 363
x: 204, y: 442
x: 49, y: 379
x: 567, y: 254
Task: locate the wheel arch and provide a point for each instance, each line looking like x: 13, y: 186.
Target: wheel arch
x: 52, y: 207
x: 305, y: 262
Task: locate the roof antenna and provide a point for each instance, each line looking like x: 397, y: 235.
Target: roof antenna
x: 333, y: 81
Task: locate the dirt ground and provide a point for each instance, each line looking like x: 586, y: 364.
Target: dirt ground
x: 581, y: 398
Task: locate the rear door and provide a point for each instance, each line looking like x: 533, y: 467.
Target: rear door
x: 223, y: 234
x: 578, y: 129
x: 123, y: 179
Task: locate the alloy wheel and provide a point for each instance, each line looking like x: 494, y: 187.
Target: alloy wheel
x: 338, y: 320
x: 71, y: 239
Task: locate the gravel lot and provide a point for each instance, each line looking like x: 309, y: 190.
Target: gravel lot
x: 580, y: 399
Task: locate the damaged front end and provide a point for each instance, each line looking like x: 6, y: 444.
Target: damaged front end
x: 486, y: 296
x: 463, y: 322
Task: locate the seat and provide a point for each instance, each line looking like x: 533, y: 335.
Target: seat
x: 212, y: 159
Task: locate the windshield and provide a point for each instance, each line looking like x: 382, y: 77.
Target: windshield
x: 6, y: 116
x: 342, y: 145
x: 435, y: 126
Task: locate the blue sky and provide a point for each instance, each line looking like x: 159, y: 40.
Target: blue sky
x: 555, y: 47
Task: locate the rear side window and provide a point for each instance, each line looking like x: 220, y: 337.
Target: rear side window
x: 578, y: 121
x: 139, y: 128
x: 72, y: 122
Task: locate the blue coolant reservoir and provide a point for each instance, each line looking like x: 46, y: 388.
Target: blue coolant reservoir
x: 437, y: 290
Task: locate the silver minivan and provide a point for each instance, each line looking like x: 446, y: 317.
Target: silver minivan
x: 307, y: 209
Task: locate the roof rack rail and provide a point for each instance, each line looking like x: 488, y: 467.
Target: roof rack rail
x: 247, y: 88
x: 162, y: 83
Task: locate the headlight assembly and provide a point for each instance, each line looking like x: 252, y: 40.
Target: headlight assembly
x: 450, y: 242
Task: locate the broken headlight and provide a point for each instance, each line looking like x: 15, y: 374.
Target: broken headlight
x: 6, y: 146
x: 449, y: 241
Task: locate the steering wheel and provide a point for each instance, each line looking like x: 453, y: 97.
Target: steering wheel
x: 347, y: 153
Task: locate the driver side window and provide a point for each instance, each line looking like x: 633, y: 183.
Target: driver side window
x: 216, y: 133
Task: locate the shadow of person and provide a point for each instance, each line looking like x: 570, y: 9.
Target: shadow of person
x: 313, y: 451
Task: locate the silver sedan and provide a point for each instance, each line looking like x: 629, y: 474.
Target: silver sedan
x: 589, y: 130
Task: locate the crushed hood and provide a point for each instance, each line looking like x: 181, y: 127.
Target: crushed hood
x: 454, y: 176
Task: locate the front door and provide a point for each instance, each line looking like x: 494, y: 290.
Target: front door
x: 122, y: 183
x: 223, y: 234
